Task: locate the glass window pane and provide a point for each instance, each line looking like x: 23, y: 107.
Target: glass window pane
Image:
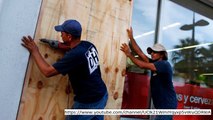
x: 188, y: 38
x: 143, y: 22
x: 188, y: 41
x: 136, y: 86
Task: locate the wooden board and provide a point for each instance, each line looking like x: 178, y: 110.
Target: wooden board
x: 104, y: 23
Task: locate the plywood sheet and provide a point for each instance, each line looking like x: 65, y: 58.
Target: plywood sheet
x: 17, y: 18
x: 104, y: 23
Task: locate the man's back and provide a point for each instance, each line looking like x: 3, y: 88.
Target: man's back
x: 81, y: 63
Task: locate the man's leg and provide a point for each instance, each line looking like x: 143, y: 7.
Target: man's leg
x: 97, y: 105
x: 163, y: 117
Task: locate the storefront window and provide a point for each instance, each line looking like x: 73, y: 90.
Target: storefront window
x: 144, y: 22
x: 136, y: 87
x: 189, y: 42
x: 187, y: 36
x: 1, y: 1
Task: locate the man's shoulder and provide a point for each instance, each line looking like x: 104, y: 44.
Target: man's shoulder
x: 162, y: 65
x: 86, y: 42
x: 165, y: 62
x: 86, y: 45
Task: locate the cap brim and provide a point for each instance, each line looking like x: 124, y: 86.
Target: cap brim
x: 149, y: 50
x: 59, y: 28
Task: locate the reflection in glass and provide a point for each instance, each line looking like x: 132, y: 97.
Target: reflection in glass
x: 189, y: 60
x: 189, y: 41
x: 189, y: 45
x: 136, y: 86
x: 143, y: 22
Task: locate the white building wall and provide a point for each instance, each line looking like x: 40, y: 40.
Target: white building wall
x: 17, y: 18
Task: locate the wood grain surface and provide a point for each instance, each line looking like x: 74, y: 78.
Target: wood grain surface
x: 104, y: 23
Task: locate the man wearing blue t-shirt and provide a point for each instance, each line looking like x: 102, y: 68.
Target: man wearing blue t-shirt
x: 162, y: 89
x: 81, y: 63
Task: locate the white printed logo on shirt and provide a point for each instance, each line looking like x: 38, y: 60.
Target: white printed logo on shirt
x: 92, y: 58
x: 154, y: 74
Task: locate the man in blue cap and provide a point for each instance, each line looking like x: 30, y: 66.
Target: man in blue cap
x: 81, y: 63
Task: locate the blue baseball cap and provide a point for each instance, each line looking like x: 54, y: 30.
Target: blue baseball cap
x: 72, y: 27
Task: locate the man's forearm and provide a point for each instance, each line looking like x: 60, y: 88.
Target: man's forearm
x: 43, y: 66
x: 138, y: 50
x: 135, y: 45
x: 142, y: 64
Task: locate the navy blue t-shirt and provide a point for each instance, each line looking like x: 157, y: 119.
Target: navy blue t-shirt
x: 81, y: 63
x: 162, y: 89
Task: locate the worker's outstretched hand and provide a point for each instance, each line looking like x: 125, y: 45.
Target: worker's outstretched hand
x: 29, y: 43
x: 56, y: 44
x: 125, y: 48
x: 130, y: 33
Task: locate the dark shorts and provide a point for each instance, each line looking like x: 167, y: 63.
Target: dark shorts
x: 163, y: 117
